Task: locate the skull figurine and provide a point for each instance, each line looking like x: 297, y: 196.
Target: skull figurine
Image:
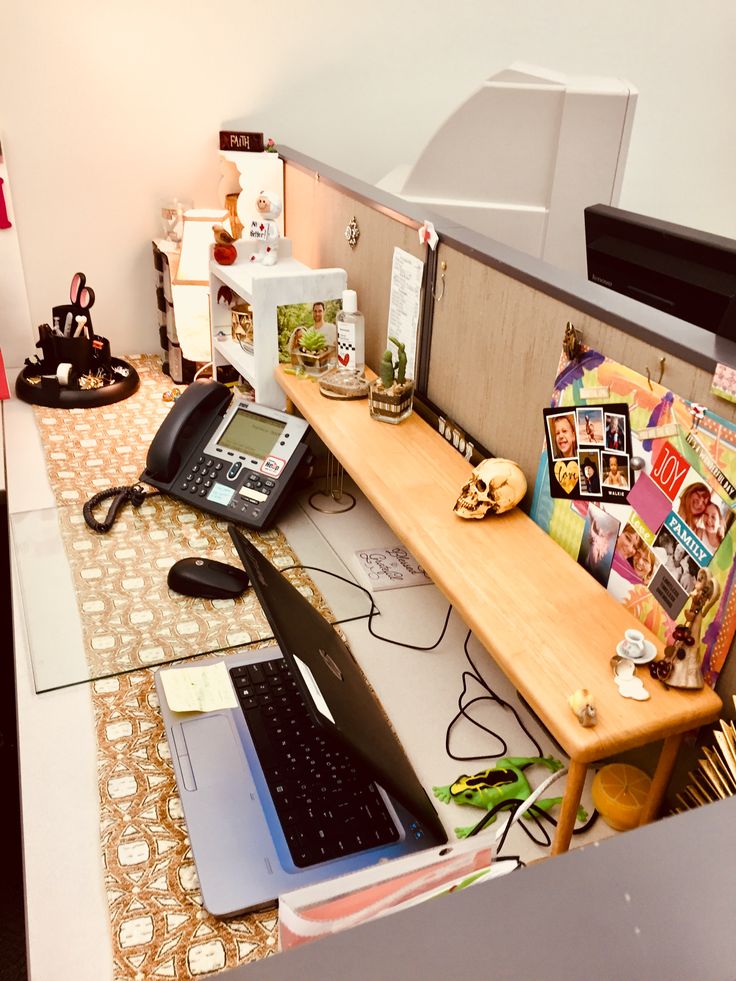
x: 495, y: 486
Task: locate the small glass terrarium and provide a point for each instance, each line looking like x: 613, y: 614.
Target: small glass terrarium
x: 312, y: 351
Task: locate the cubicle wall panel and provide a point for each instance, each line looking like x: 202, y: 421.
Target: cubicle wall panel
x: 494, y: 356
x: 496, y: 345
x: 317, y: 214
x: 496, y: 338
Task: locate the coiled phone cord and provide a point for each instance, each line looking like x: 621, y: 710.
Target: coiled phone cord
x: 136, y: 494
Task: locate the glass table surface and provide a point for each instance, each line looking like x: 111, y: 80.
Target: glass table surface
x: 98, y: 605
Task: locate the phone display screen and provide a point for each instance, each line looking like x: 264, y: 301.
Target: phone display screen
x: 251, y: 434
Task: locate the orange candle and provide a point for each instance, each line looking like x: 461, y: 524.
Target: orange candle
x: 619, y: 792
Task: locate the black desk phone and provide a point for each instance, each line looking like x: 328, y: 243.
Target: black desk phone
x: 226, y: 455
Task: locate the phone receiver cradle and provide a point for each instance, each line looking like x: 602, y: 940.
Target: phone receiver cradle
x: 207, y: 579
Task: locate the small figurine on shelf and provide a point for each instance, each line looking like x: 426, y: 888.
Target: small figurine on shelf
x: 264, y: 229
x: 224, y: 252
x: 682, y: 663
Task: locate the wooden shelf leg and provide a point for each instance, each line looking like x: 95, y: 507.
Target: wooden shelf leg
x: 661, y: 778
x: 570, y: 803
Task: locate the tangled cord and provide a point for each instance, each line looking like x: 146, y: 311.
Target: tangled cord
x: 373, y: 610
x: 516, y: 807
x: 513, y: 805
x: 136, y: 494
x: 490, y: 695
x: 536, y: 814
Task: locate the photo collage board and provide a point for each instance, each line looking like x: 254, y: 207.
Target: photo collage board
x: 639, y: 486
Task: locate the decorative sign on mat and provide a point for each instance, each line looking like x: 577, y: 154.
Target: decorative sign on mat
x: 390, y: 568
x: 641, y: 491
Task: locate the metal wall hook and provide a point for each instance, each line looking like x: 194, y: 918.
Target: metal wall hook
x: 662, y: 363
x: 571, y: 343
x: 352, y: 232
x: 438, y: 296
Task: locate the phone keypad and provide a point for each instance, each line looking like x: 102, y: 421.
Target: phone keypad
x: 253, y: 492
x: 200, y: 478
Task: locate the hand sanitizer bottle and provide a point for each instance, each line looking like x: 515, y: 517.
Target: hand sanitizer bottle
x: 350, y: 334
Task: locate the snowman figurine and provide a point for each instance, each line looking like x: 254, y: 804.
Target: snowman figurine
x: 264, y: 230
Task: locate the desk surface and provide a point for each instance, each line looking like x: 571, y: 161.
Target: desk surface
x: 547, y: 623
x: 67, y: 911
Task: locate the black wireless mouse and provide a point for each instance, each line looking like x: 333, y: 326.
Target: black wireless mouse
x: 207, y: 579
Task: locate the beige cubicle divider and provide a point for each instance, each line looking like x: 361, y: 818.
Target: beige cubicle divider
x: 317, y: 213
x: 496, y: 345
x: 496, y: 333
x: 498, y: 327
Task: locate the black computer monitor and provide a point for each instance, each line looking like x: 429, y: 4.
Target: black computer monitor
x: 685, y: 272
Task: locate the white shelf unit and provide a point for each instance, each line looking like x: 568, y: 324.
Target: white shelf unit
x: 265, y: 288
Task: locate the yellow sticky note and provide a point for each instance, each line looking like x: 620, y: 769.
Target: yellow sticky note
x: 198, y: 689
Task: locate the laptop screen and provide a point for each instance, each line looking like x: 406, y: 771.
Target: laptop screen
x: 342, y: 701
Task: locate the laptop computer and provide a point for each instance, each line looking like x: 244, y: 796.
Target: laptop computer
x: 343, y: 797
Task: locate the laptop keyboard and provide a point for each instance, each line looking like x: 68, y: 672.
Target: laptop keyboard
x: 327, y: 807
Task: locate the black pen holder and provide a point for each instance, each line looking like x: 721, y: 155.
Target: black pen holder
x: 83, y: 354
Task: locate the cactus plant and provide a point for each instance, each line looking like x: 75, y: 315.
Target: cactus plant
x: 391, y: 394
x: 400, y: 361
x: 390, y: 370
x: 386, y: 370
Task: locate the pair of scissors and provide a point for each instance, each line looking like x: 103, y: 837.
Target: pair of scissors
x: 81, y: 295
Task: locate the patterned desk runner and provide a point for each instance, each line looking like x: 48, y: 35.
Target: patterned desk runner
x: 130, y: 619
x: 159, y: 927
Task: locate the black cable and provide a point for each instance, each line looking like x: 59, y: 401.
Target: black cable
x: 492, y: 696
x: 136, y: 494
x: 537, y: 813
x: 374, y: 609
x: 512, y: 805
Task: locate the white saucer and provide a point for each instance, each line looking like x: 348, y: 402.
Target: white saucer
x: 647, y: 655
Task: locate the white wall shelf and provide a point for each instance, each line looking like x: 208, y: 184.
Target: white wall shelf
x: 265, y: 288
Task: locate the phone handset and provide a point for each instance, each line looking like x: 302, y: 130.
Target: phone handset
x: 190, y: 415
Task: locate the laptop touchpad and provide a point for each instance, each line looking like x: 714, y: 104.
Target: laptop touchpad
x: 214, y: 752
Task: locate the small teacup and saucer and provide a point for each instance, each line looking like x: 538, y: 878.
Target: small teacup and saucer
x: 636, y: 647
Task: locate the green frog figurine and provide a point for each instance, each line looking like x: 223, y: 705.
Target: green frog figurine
x: 503, y: 782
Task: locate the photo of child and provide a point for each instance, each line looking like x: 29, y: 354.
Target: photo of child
x: 598, y: 543
x: 590, y: 426
x: 704, y: 512
x: 590, y: 481
x: 643, y: 562
x: 615, y: 436
x: 563, y: 440
x: 615, y: 471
